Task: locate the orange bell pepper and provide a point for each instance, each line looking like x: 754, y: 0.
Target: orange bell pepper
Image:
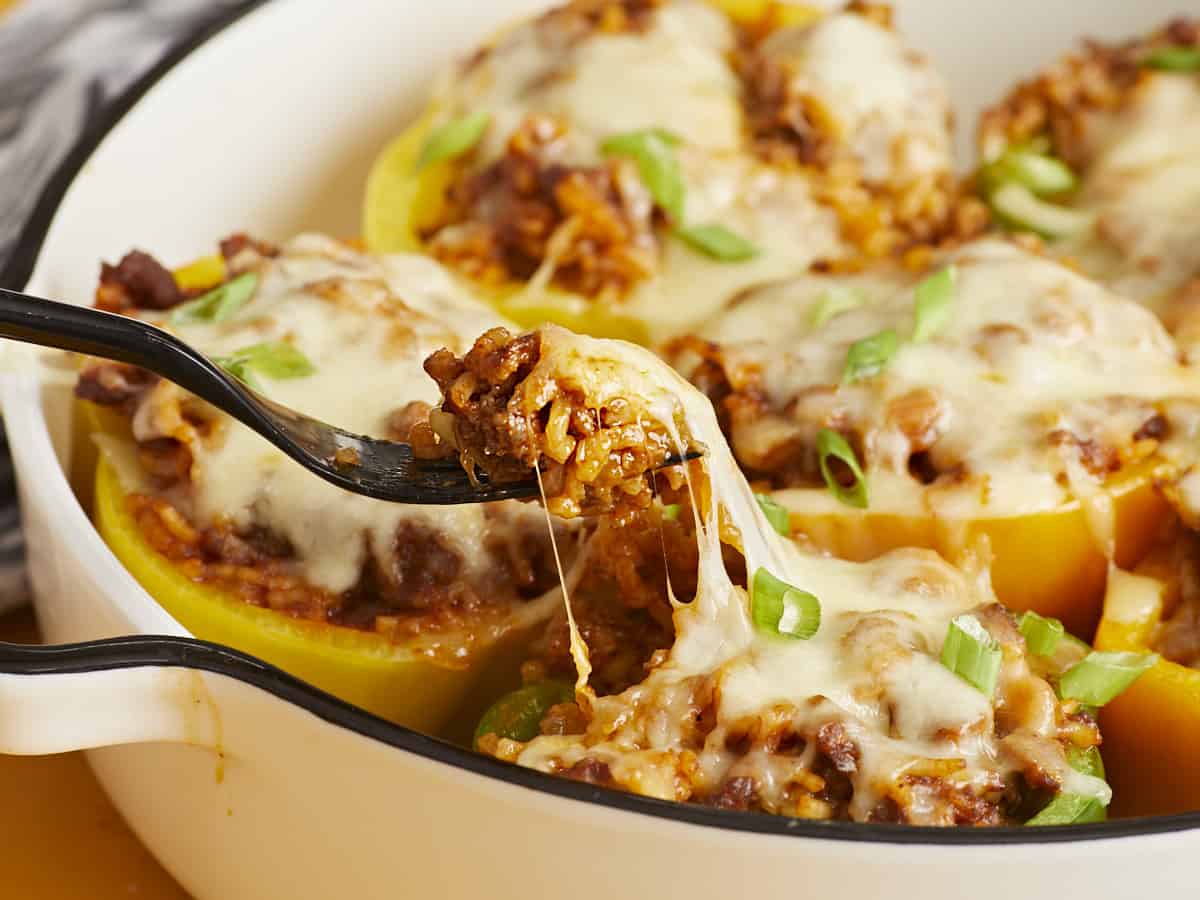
x: 1152, y: 730
x: 1048, y: 562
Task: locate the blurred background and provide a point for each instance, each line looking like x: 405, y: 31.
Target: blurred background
x: 62, y: 65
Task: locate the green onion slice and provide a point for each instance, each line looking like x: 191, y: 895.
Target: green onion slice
x: 718, y: 242
x: 776, y: 514
x: 778, y: 608
x: 1074, y: 809
x: 1173, y: 59
x: 834, y: 302
x: 1043, y: 174
x: 219, y: 304
x: 275, y: 359
x: 519, y: 714
x: 1018, y: 209
x: 1102, y: 676
x: 972, y: 654
x: 934, y: 303
x: 831, y: 445
x: 454, y: 139
x: 657, y: 166
x: 670, y: 512
x: 870, y: 355
x: 1041, y: 634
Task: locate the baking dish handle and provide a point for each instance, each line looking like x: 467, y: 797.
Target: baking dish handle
x: 83, y: 696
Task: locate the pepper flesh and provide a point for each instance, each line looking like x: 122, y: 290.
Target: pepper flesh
x: 393, y: 681
x: 1048, y: 562
x: 1152, y: 730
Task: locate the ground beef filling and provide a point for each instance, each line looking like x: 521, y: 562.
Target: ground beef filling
x: 138, y: 281
x: 1175, y: 562
x: 621, y: 603
x: 592, y: 226
x: 813, y: 763
x: 1056, y: 102
x: 420, y: 589
x: 506, y: 417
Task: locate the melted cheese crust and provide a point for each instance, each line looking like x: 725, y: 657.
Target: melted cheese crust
x: 872, y: 668
x: 367, y: 324
x: 1033, y: 393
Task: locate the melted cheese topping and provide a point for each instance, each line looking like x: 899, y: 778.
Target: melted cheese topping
x: 679, y: 65
x: 366, y: 324
x: 889, y: 106
x: 1034, y: 362
x: 1142, y: 183
x: 897, y: 120
x: 871, y: 667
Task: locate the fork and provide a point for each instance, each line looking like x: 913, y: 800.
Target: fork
x: 384, y: 470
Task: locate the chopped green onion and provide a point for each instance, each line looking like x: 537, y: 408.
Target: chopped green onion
x: 778, y: 608
x: 275, y: 359
x: 454, y: 139
x: 775, y: 514
x: 219, y: 304
x: 657, y: 166
x: 1041, y: 634
x: 934, y: 303
x: 834, y: 302
x: 1043, y: 174
x: 665, y: 135
x: 631, y: 143
x: 1173, y: 59
x: 972, y: 654
x: 870, y: 355
x: 1102, y: 676
x: 1018, y: 209
x: 718, y: 242
x: 670, y: 512
x: 518, y: 715
x: 1075, y: 809
x: 830, y: 444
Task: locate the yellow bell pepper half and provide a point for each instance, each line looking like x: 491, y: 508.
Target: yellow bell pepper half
x: 1151, y: 731
x: 1048, y: 562
x: 363, y: 668
x: 402, y: 201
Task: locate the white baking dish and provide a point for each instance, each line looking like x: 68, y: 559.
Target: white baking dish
x: 248, y: 784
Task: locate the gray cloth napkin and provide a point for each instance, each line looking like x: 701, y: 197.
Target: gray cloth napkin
x: 61, y: 63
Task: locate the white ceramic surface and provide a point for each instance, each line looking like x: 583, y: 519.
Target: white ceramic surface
x: 270, y: 127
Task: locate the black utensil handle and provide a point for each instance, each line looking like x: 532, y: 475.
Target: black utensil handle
x: 35, y: 320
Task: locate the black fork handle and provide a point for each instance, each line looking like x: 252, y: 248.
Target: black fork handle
x: 35, y: 320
